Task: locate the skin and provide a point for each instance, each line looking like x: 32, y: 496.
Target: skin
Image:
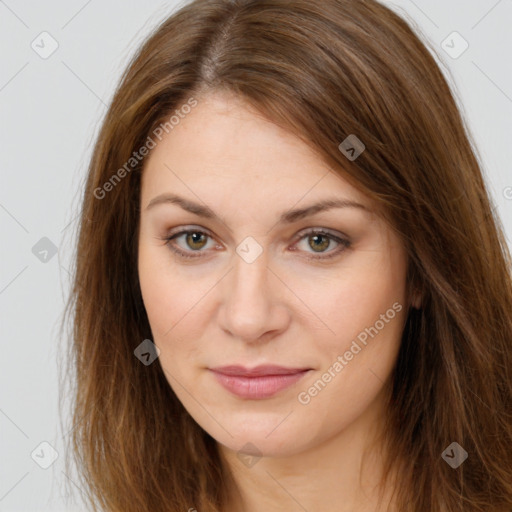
x: 282, y: 308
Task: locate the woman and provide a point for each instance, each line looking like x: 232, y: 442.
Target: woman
x: 291, y: 291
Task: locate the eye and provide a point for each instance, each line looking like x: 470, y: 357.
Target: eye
x: 319, y: 240
x: 194, y: 238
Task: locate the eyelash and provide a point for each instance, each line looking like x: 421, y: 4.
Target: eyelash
x: 344, y: 244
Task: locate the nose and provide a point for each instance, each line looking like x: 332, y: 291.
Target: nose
x: 253, y: 303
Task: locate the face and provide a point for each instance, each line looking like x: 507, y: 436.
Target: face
x: 236, y: 270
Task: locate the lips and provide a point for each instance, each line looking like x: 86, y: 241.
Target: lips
x: 258, y: 371
x: 259, y: 382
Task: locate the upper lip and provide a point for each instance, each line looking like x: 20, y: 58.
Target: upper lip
x: 258, y: 371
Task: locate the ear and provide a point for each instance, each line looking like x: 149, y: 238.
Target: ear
x: 416, y: 299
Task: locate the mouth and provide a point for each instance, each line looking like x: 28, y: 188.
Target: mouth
x: 257, y: 383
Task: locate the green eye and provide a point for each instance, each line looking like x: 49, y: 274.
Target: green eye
x: 319, y: 241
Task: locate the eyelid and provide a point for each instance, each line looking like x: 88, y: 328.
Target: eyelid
x: 298, y: 236
x: 327, y: 231
x: 182, y: 230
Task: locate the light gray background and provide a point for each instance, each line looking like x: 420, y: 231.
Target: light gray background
x: 50, y: 113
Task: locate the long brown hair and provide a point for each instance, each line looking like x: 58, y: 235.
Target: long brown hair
x: 323, y: 70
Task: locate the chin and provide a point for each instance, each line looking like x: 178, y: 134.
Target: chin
x: 262, y: 442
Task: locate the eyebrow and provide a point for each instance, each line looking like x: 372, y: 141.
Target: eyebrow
x: 287, y: 217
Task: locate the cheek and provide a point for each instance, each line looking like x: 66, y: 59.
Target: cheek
x: 167, y: 294
x: 365, y: 311
x: 175, y: 305
x: 157, y: 293
x: 356, y: 302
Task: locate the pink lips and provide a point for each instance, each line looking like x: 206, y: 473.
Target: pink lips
x: 257, y: 383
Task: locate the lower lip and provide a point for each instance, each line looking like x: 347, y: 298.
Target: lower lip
x: 257, y: 388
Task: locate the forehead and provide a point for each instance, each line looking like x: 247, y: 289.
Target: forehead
x: 225, y: 148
